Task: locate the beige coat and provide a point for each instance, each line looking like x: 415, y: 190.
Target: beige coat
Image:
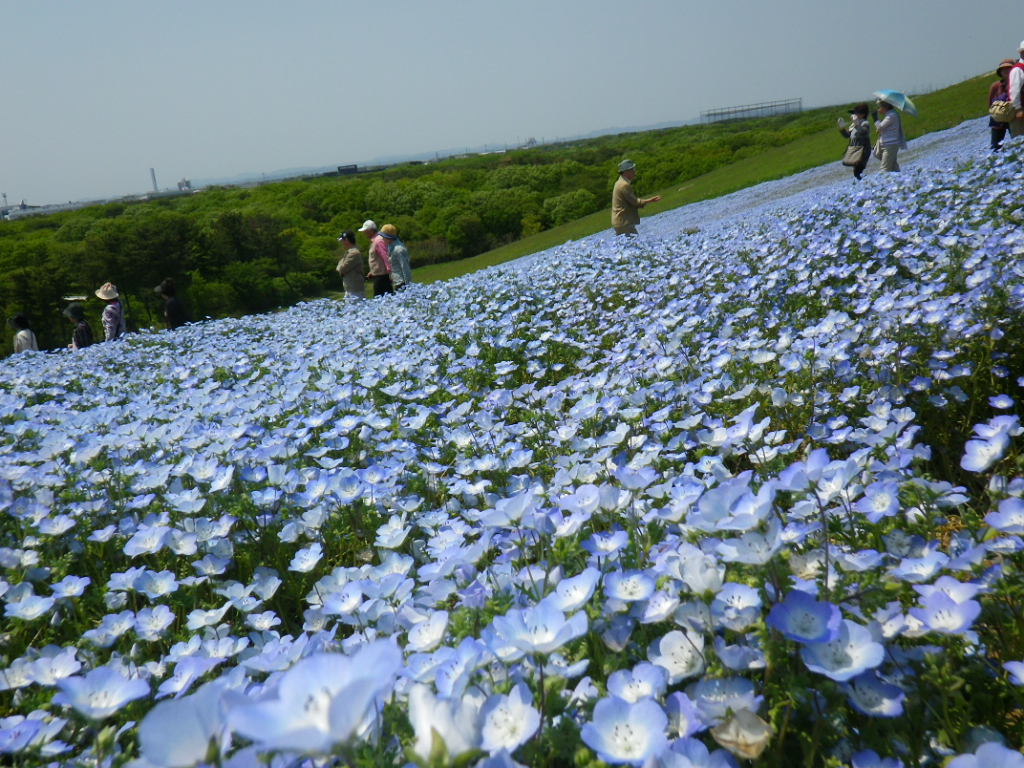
x: 625, y: 205
x: 351, y: 270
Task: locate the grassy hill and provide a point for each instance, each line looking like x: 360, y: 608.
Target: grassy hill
x: 236, y: 251
x: 938, y: 110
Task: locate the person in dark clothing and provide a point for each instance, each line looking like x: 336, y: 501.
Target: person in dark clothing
x: 174, y: 310
x: 999, y: 91
x: 859, y: 134
x: 82, y: 337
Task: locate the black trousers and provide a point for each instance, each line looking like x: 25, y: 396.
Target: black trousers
x: 998, y: 134
x: 382, y: 285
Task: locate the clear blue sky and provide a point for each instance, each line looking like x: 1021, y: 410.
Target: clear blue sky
x: 95, y: 93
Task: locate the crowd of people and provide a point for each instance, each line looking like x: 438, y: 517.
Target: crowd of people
x: 389, y: 268
x: 1006, y: 110
x: 389, y: 271
x: 388, y: 258
x: 114, y: 319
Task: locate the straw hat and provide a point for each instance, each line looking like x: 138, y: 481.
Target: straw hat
x: 107, y: 291
x: 1004, y: 64
x: 390, y: 231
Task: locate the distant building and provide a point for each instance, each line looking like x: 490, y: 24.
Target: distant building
x: 747, y: 111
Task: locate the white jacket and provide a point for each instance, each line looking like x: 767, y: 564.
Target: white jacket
x: 890, y: 130
x: 1016, y: 81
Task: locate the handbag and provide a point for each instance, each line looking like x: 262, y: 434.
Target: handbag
x: 877, y: 150
x: 1002, y: 111
x: 854, y: 155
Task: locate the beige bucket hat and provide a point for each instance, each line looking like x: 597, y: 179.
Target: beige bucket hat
x: 107, y: 291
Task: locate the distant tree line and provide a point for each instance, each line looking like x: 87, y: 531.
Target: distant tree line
x: 243, y: 250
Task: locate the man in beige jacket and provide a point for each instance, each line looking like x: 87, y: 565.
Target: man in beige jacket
x: 625, y: 204
x: 351, y: 267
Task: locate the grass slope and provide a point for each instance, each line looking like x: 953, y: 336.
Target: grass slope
x: 939, y: 110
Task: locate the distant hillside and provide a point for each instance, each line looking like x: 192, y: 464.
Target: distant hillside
x: 939, y: 110
x: 235, y: 250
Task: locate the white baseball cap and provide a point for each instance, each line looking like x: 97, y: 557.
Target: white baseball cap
x: 368, y: 224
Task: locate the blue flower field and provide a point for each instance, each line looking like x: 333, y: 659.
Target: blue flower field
x: 748, y: 487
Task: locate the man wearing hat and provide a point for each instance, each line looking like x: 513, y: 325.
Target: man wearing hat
x: 82, y: 336
x: 1014, y: 93
x: 380, y: 265
x: 113, y: 315
x: 625, y: 204
x: 351, y: 267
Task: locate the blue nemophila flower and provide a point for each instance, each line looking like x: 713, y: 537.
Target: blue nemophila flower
x: 1009, y: 518
x: 881, y: 499
x: 151, y: 623
x: 692, y: 753
x: 426, y: 635
x: 717, y: 697
x: 939, y: 612
x: 683, y: 716
x: 680, y: 654
x: 626, y: 733
x: 643, y: 681
x: 147, y: 540
x: 740, y: 657
x: 305, y: 559
x: 456, y: 722
x: 29, y: 608
x: 736, y: 606
x: 1016, y: 670
x: 871, y: 696
x: 155, y: 585
x: 606, y: 545
x: 187, y: 671
x: 991, y: 444
x: 100, y: 692
x: 54, y: 664
x: 802, y: 618
x: 508, y: 720
x: 920, y: 569
x: 629, y: 586
x: 850, y: 653
x: 572, y: 593
x: 179, y: 732
x: 541, y: 628
x: 989, y: 755
x: 325, y: 699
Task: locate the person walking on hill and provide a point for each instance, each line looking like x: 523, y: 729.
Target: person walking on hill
x: 82, y: 336
x: 1015, y: 82
x: 859, y: 134
x: 398, y: 255
x: 350, y: 268
x: 625, y: 203
x: 890, y: 136
x: 114, y: 326
x: 380, y: 265
x: 999, y: 91
x: 24, y: 338
x: 174, y: 310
